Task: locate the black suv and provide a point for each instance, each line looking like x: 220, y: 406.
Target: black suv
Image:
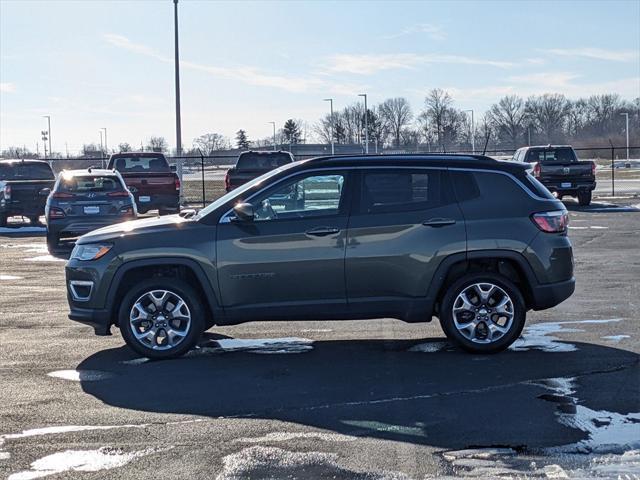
x: 468, y: 239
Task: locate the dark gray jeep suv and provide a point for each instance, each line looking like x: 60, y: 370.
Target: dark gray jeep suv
x: 468, y: 239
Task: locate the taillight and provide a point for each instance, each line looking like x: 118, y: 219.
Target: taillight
x: 227, y: 182
x: 63, y: 195
x: 55, y: 212
x: 7, y: 192
x: 177, y: 184
x: 593, y: 169
x: 119, y: 193
x: 551, y: 222
x: 536, y: 170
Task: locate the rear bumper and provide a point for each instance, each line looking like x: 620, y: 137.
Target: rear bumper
x: 18, y: 208
x: 551, y: 294
x: 98, y: 319
x: 163, y: 201
x: 556, y: 186
x: 76, y: 227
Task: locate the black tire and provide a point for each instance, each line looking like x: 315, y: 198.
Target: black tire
x: 35, y: 221
x: 53, y: 243
x: 584, y: 198
x: 3, y: 220
x: 449, y: 299
x: 190, y: 298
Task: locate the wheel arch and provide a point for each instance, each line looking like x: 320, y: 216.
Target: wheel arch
x: 184, y: 268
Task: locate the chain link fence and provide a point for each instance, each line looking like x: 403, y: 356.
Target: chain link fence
x: 203, y: 176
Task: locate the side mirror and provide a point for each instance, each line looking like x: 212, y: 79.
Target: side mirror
x: 173, y: 168
x: 244, y: 212
x: 44, y: 192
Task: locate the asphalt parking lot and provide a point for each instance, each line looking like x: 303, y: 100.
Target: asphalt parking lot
x: 368, y: 399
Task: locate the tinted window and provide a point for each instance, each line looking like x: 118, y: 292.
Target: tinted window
x: 557, y: 155
x: 465, y: 185
x: 399, y: 191
x: 262, y: 161
x: 141, y: 164
x: 26, y: 171
x: 311, y: 196
x: 90, y: 183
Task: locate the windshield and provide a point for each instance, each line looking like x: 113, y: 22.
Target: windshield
x: 238, y: 192
x: 552, y: 155
x: 262, y: 160
x: 144, y: 164
x: 25, y: 171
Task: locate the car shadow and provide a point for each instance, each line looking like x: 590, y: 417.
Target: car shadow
x: 417, y: 391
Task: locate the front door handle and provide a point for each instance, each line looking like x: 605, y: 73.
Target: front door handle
x: 438, y: 222
x: 323, y: 231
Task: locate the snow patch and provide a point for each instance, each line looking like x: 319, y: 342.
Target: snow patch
x: 80, y: 375
x: 616, y: 338
x: 538, y: 336
x: 288, y: 436
x: 316, y: 330
x: 104, y: 458
x: 45, y: 258
x: 271, y: 462
x: 597, y: 227
x: 9, y: 277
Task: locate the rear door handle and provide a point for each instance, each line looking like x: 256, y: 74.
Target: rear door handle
x: 323, y: 231
x: 438, y: 222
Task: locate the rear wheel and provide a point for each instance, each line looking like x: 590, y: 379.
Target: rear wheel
x: 35, y: 220
x: 53, y: 242
x: 3, y: 219
x: 483, y: 312
x: 584, y: 198
x: 161, y: 318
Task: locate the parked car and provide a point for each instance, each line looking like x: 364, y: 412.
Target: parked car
x: 152, y: 181
x: 252, y: 164
x: 23, y: 189
x: 473, y: 241
x: 558, y: 168
x: 84, y: 200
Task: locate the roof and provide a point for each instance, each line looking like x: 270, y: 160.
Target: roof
x: 21, y: 160
x: 547, y: 146
x: 418, y: 160
x: 137, y: 154
x: 94, y: 171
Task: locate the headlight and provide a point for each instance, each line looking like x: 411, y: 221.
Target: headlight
x: 90, y: 251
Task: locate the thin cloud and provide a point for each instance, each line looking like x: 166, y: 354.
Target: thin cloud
x: 434, y: 32
x: 371, y: 63
x: 7, y: 87
x: 596, y: 53
x: 245, y: 74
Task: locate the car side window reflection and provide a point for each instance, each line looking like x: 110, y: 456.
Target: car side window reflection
x: 312, y: 196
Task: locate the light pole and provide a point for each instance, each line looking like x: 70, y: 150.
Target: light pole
x: 106, y: 148
x: 333, y: 150
x: 473, y: 133
x: 101, y: 148
x: 366, y: 124
x: 177, y: 73
x: 626, y: 130
x: 48, y: 117
x: 274, y: 135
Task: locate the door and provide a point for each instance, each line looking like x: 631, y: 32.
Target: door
x: 291, y: 256
x: 404, y: 222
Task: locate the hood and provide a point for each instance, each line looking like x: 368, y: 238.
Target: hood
x: 135, y: 227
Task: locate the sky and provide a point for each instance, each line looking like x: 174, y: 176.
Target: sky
x: 92, y: 64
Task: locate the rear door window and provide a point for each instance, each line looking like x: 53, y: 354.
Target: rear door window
x: 144, y: 164
x: 399, y: 191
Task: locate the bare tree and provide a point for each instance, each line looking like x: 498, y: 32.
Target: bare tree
x: 396, y: 115
x: 124, y: 147
x: 548, y: 114
x: 507, y: 117
x: 211, y: 142
x: 157, y: 144
x: 438, y: 106
x: 17, y: 152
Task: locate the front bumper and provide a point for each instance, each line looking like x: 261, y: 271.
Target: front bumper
x: 551, y: 294
x: 98, y: 319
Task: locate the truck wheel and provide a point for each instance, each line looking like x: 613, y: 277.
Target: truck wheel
x: 3, y: 220
x: 53, y: 242
x: 161, y: 318
x: 483, y: 312
x: 584, y: 198
x: 35, y: 221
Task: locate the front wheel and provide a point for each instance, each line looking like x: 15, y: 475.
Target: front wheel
x: 161, y: 318
x: 483, y: 312
x: 584, y: 198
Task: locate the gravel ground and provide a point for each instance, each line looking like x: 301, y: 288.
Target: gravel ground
x: 348, y: 399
